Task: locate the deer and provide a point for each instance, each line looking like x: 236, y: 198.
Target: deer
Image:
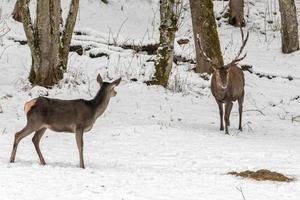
x: 73, y: 116
x: 227, y: 83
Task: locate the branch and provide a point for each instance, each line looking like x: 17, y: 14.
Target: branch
x: 241, y: 191
x: 69, y: 27
x: 17, y: 13
x: 4, y: 30
x: 27, y: 24
x: 296, y: 118
x: 255, y: 110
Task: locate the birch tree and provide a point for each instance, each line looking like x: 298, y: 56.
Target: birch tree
x: 289, y: 26
x: 48, y: 45
x: 170, y: 11
x: 204, y: 24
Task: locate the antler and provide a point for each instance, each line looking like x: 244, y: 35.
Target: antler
x: 203, y: 54
x: 238, y: 58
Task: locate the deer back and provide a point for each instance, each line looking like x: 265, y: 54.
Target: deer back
x: 61, y: 115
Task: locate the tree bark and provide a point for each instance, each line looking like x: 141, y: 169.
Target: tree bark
x: 204, y: 24
x: 165, y: 51
x: 17, y: 14
x: 68, y: 32
x: 30, y: 35
x: 48, y: 49
x: 236, y: 13
x: 289, y: 26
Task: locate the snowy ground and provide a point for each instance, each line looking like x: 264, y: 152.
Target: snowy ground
x: 154, y: 143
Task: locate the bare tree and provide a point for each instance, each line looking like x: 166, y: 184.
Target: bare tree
x: 236, y: 13
x: 170, y: 11
x: 49, y: 47
x: 289, y: 26
x: 204, y: 24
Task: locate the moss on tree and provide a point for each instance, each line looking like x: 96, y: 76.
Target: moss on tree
x: 165, y: 52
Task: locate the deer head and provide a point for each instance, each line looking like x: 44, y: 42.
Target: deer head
x: 222, y: 72
x: 108, y: 87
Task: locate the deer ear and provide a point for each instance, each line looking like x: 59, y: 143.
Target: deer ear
x: 116, y: 82
x: 99, y: 79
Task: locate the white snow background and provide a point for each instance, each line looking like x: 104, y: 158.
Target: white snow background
x: 154, y: 143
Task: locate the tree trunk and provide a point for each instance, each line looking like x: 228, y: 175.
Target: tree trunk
x: 165, y: 51
x: 289, y: 26
x: 49, y: 50
x: 16, y: 14
x: 204, y: 24
x: 236, y: 13
x: 68, y: 32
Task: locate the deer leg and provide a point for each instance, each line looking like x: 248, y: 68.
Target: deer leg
x: 79, y: 141
x: 240, y: 101
x: 228, y: 107
x: 36, y: 141
x: 27, y: 130
x: 220, y: 104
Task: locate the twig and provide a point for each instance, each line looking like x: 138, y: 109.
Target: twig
x: 255, y: 110
x: 249, y: 127
x: 295, y: 118
x: 241, y: 191
x: 4, y: 27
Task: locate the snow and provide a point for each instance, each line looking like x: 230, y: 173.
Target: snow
x: 153, y: 143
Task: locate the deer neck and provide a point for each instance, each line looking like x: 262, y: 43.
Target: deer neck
x: 219, y: 83
x: 100, y: 102
x: 221, y: 87
x: 218, y: 90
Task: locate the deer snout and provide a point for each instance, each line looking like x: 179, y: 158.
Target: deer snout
x: 223, y: 84
x: 113, y: 93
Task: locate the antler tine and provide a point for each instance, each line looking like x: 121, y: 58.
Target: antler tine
x: 244, y: 41
x: 242, y: 33
x: 237, y: 59
x: 203, y: 54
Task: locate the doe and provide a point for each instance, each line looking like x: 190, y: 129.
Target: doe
x: 73, y: 116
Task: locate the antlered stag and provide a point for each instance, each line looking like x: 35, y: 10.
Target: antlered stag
x: 73, y: 116
x: 227, y: 84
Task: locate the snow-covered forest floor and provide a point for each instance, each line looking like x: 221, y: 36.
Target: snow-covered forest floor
x: 154, y: 143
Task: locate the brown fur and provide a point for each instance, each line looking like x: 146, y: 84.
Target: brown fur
x: 227, y: 85
x: 75, y: 116
x: 28, y: 105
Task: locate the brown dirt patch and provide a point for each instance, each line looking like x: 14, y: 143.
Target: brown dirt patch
x: 263, y: 175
